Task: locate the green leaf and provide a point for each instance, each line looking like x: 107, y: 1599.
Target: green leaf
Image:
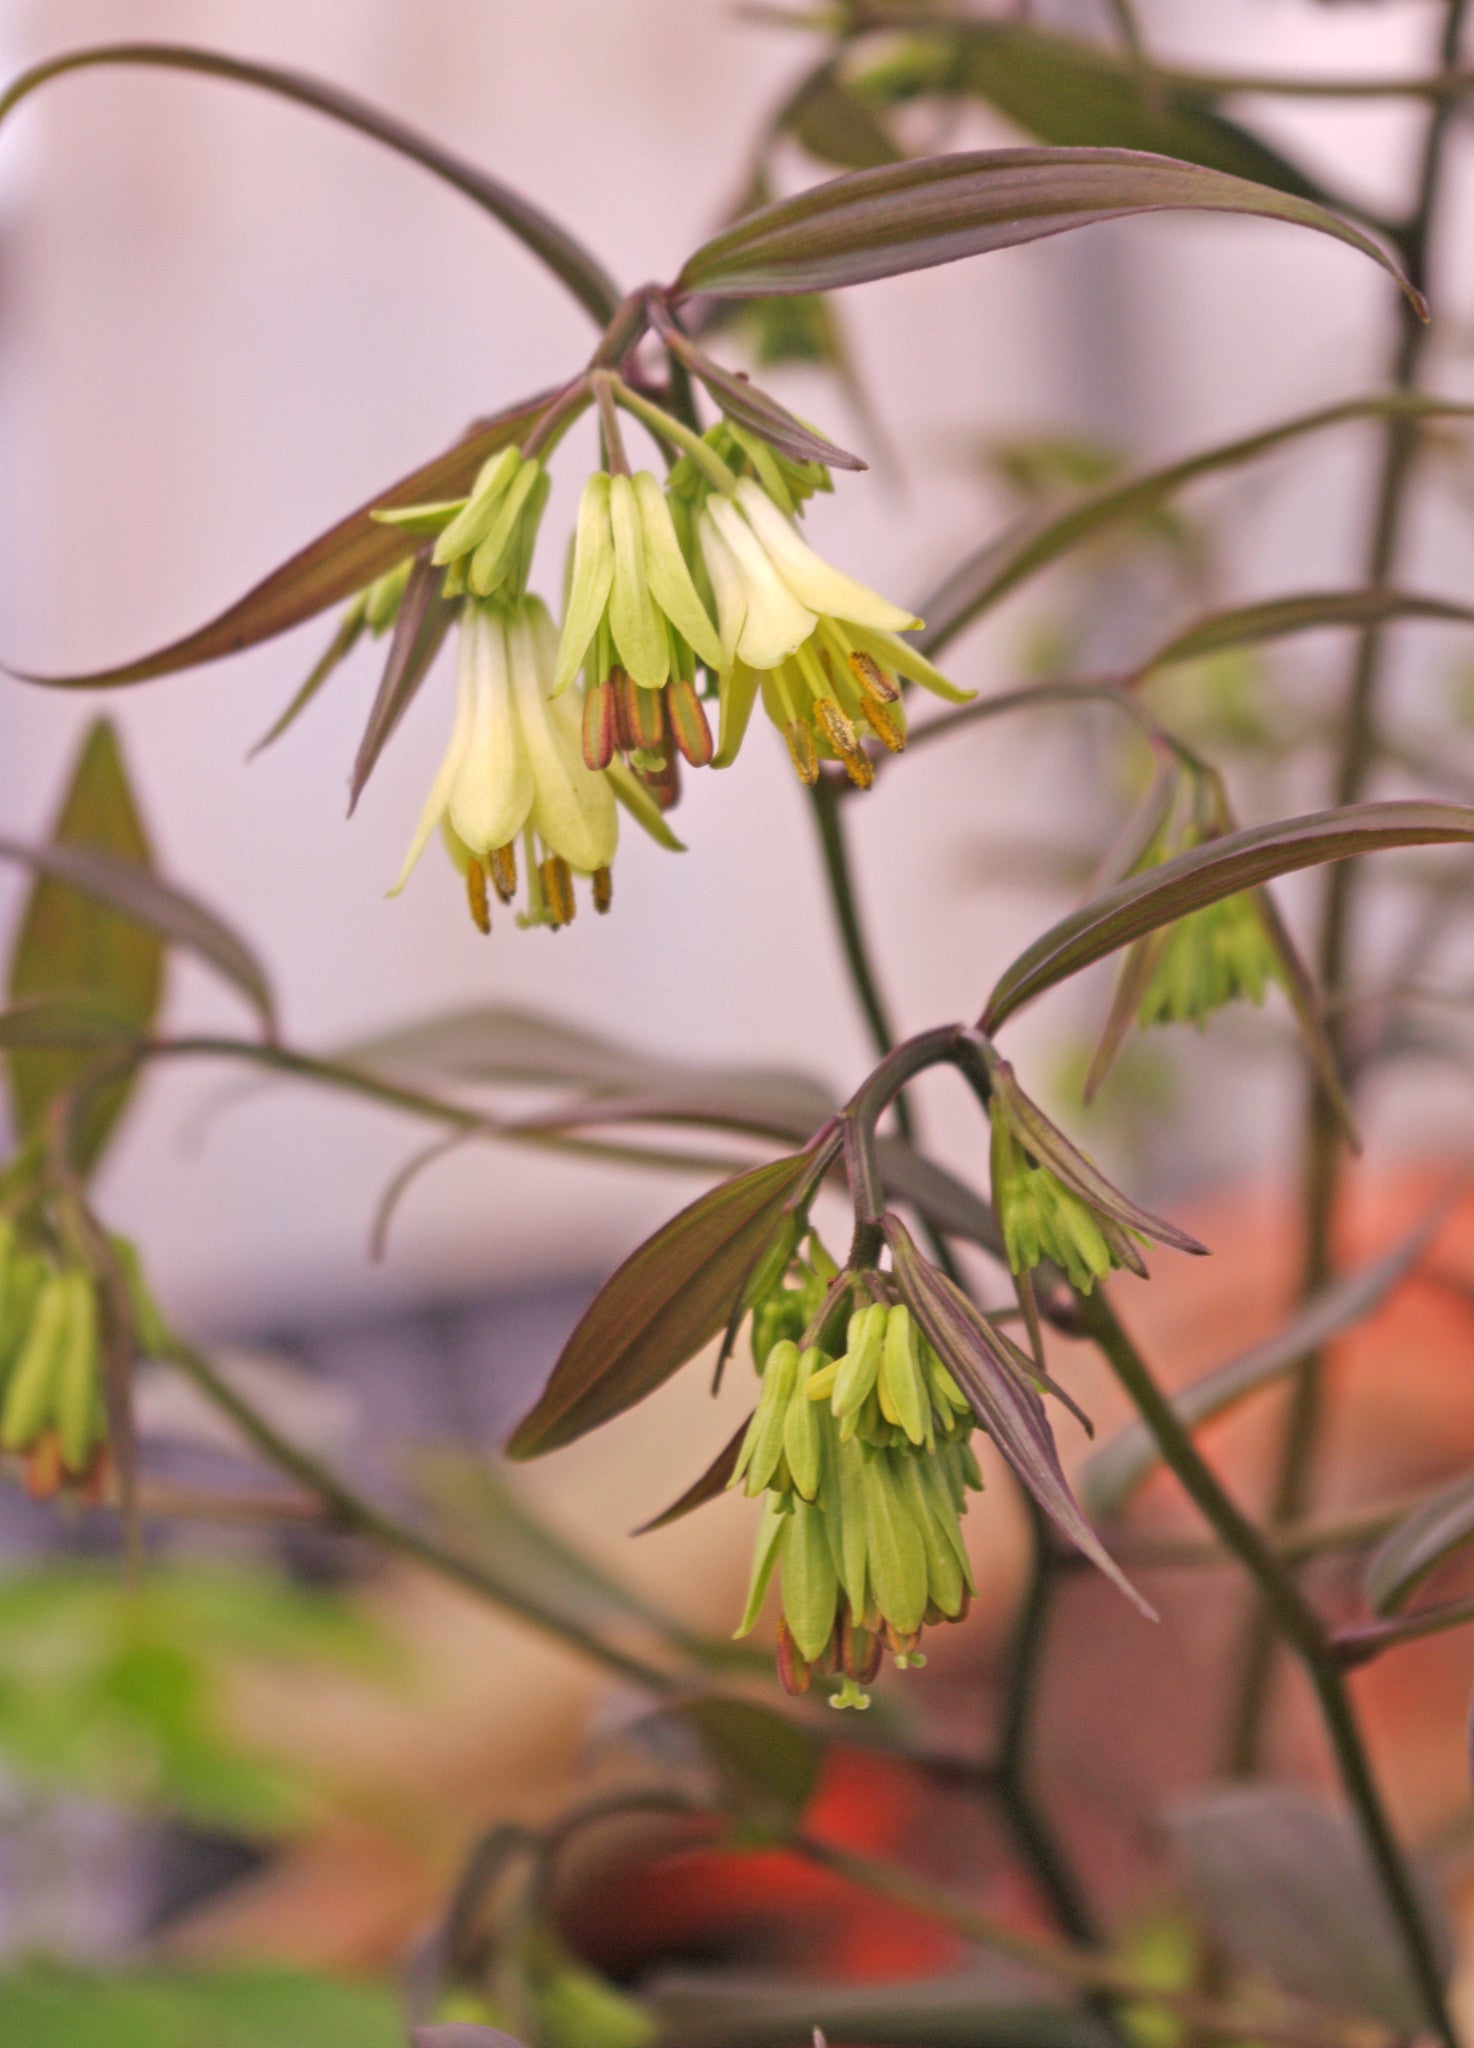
x: 912, y: 216
x: 1284, y: 1885
x: 44, y: 2006
x: 1273, y: 618
x: 996, y: 569
x: 1206, y: 874
x: 1417, y: 1547
x: 424, y: 619
x: 75, y: 946
x: 335, y: 566
x: 996, y: 1379
x: 663, y: 1304
x: 834, y: 124
x: 1073, y: 93
x: 582, y: 273
x: 764, y: 1751
x: 1118, y: 1468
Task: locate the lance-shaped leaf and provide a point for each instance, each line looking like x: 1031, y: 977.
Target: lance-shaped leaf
x: 1285, y: 1886
x: 425, y: 617
x: 583, y: 274
x: 137, y: 894
x: 1002, y: 564
x: 835, y: 124
x: 1274, y: 618
x: 1118, y: 1468
x: 741, y: 400
x: 335, y: 566
x: 72, y: 945
x: 346, y: 637
x: 1417, y: 1547
x: 997, y: 1380
x: 710, y: 1486
x: 1208, y: 873
x: 665, y: 1302
x: 77, y: 1023
x: 1052, y: 1150
x: 912, y: 216
x: 1063, y: 91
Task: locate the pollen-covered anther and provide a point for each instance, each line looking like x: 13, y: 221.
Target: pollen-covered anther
x: 687, y: 720
x: 872, y: 678
x: 501, y: 863
x: 600, y: 725
x: 603, y: 890
x: 841, y: 735
x: 885, y: 725
x: 476, y: 896
x: 794, y: 1672
x: 557, y: 881
x: 801, y: 749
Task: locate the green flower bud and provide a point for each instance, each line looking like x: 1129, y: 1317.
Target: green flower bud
x: 767, y: 1429
x: 860, y: 1366
x: 1214, y: 956
x: 803, y: 1429
x: 853, y: 1562
x: 576, y: 2009
x: 771, y: 1530
x: 903, y: 1395
x: 31, y: 1393
x: 810, y: 1583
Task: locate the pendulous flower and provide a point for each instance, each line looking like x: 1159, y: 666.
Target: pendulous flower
x: 515, y: 769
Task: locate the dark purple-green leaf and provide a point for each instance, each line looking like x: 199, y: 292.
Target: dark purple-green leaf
x: 1418, y: 1546
x: 335, y: 566
x: 742, y: 400
x: 663, y: 1304
x: 761, y: 1751
x: 1208, y: 873
x: 423, y: 620
x: 73, y: 945
x: 1248, y: 625
x: 583, y: 274
x: 834, y: 124
x: 998, y: 1386
x: 912, y: 216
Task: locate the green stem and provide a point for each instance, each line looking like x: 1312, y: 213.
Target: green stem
x: 1296, y: 1622
x: 353, y: 1512
x: 829, y: 822
x: 1322, y: 1168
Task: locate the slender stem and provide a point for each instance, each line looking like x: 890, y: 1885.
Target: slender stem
x: 1360, y: 1644
x: 1072, y: 1966
x: 1294, y: 1620
x: 829, y: 822
x: 354, y: 1512
x: 1322, y: 1163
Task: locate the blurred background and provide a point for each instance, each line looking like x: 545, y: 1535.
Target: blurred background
x: 224, y: 323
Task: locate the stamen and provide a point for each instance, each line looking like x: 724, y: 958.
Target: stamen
x: 644, y: 716
x: 626, y: 737
x: 664, y: 781
x: 842, y: 737
x: 502, y: 861
x: 687, y: 719
x: 885, y: 725
x: 860, y: 1650
x: 476, y: 896
x: 801, y: 748
x: 793, y: 1671
x: 599, y: 724
x: 603, y: 890
x: 558, y: 885
x: 872, y: 678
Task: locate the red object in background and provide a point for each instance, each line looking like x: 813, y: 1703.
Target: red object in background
x: 743, y: 1906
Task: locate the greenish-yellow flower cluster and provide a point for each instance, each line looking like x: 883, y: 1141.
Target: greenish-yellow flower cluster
x: 864, y: 1464
x: 52, y: 1413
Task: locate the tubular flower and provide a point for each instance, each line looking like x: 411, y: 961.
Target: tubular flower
x: 484, y: 541
x: 635, y: 623
x: 864, y: 1464
x: 515, y: 768
x: 821, y: 650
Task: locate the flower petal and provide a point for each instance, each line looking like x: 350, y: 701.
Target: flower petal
x: 670, y: 578
x: 638, y: 629
x: 909, y: 661
x: 474, y: 520
x: 572, y: 804
x: 810, y: 578
x: 593, y: 573
x: 739, y: 694
x: 727, y: 585
x: 449, y: 768
x: 776, y: 624
x: 493, y: 792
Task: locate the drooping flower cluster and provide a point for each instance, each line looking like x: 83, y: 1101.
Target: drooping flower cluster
x: 1213, y: 956
x: 53, y: 1414
x: 864, y: 1464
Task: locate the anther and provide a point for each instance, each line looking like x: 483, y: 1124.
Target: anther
x: 841, y: 735
x: 687, y: 719
x: 793, y: 1670
x: 801, y: 749
x: 626, y: 735
x: 885, y: 725
x: 599, y: 723
x: 643, y: 715
x: 502, y: 863
x: 558, y: 888
x: 44, y: 1466
x: 872, y: 678
x: 476, y: 895
x: 603, y: 890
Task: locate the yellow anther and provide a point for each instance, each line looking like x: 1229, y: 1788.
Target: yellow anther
x: 872, y: 678
x: 603, y: 889
x: 502, y: 861
x: 801, y: 748
x: 476, y: 895
x: 558, y: 888
x: 885, y: 725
